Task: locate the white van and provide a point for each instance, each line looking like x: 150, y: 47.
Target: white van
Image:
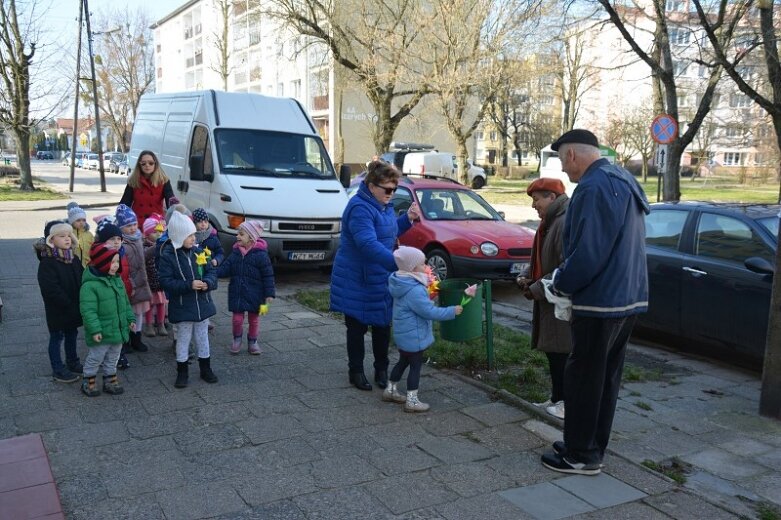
x: 550, y: 165
x: 441, y: 164
x: 245, y: 156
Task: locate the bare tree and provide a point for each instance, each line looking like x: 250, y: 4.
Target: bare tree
x: 576, y: 74
x: 17, y: 49
x: 375, y: 41
x: 767, y: 94
x: 466, y: 60
x: 229, y: 11
x: 124, y: 69
x: 667, y: 67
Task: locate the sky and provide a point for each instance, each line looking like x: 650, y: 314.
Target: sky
x: 65, y: 12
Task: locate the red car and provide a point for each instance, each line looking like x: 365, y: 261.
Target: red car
x: 461, y: 234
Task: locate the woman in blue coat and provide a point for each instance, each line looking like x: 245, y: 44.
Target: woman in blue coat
x: 359, y: 282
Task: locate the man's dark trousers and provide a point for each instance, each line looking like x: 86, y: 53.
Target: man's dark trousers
x: 592, y: 379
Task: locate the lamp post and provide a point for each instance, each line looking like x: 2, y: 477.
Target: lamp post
x: 95, y: 98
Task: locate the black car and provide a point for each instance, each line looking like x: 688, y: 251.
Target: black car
x: 710, y: 271
x: 44, y: 156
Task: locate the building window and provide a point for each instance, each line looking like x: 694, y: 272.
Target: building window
x: 733, y: 131
x: 280, y: 89
x: 493, y: 136
x: 158, y: 48
x: 295, y: 88
x: 761, y: 158
x: 679, y: 68
x: 679, y: 36
x: 763, y: 131
x: 674, y: 5
x: 159, y: 72
x: 739, y: 101
x: 733, y: 158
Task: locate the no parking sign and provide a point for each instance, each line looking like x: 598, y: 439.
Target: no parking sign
x: 664, y: 129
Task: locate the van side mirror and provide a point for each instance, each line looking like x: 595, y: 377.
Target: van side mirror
x: 196, y: 169
x: 344, y: 175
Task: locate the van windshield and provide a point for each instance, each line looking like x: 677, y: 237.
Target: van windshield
x: 272, y: 154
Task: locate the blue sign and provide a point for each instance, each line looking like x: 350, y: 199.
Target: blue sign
x: 664, y: 129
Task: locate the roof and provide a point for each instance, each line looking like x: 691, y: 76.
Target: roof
x: 173, y: 13
x: 751, y: 210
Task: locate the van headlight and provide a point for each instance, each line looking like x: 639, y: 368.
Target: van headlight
x: 266, y: 223
x: 489, y: 249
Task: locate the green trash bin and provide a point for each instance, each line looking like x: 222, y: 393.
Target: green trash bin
x: 469, y: 324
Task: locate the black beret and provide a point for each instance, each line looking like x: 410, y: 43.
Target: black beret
x: 578, y: 135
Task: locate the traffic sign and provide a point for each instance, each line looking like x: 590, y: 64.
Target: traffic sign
x: 661, y: 158
x: 664, y: 129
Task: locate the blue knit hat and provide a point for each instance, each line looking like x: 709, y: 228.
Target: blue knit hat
x: 75, y: 212
x: 125, y: 216
x: 199, y: 215
x: 106, y: 230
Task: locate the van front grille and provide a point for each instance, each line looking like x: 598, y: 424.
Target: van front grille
x: 305, y: 226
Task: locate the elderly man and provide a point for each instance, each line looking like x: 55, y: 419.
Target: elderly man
x: 604, y: 272
x: 549, y: 335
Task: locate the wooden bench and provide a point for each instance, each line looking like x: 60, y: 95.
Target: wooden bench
x: 27, y: 488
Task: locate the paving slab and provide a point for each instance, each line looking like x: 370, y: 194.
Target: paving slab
x: 725, y: 464
x: 600, y: 491
x: 686, y: 506
x: 546, y: 501
x: 453, y: 450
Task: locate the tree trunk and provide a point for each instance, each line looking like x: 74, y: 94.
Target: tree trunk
x: 384, y: 126
x: 463, y: 169
x: 671, y: 191
x: 23, y: 159
x: 645, y: 168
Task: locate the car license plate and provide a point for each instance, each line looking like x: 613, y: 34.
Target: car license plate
x: 518, y: 267
x: 314, y: 255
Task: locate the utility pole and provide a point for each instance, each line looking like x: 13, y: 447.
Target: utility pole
x: 95, y: 97
x: 76, y: 102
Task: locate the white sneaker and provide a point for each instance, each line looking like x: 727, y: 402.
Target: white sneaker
x: 557, y: 410
x: 392, y: 394
x: 545, y: 404
x: 413, y: 404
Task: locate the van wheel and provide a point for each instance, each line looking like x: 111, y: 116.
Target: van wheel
x: 477, y: 183
x: 440, y: 263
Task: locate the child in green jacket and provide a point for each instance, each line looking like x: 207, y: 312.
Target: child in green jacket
x: 108, y: 319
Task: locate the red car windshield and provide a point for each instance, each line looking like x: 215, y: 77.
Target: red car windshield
x: 446, y: 204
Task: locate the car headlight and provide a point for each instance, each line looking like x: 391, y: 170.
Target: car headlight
x: 489, y: 249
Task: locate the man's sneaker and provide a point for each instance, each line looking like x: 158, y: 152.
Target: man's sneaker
x: 65, y: 376
x: 76, y: 368
x: 557, y: 410
x: 545, y: 404
x: 89, y: 387
x: 559, y: 448
x: 562, y: 464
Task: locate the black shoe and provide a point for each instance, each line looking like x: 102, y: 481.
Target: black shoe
x: 358, y: 379
x: 181, y: 374
x: 564, y: 465
x: 206, y: 370
x: 559, y: 448
x: 76, y: 367
x: 136, y: 344
x: 381, y: 378
x: 122, y: 362
x: 64, y: 375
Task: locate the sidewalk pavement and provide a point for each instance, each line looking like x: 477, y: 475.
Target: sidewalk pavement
x: 284, y: 435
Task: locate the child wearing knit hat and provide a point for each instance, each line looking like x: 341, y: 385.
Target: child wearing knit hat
x: 154, y: 321
x: 413, y: 312
x: 141, y: 295
x: 251, y: 283
x: 77, y: 218
x: 206, y: 236
x: 59, y: 278
x: 187, y: 277
x: 108, y: 319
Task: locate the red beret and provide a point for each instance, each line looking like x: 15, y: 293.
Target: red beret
x: 546, y: 184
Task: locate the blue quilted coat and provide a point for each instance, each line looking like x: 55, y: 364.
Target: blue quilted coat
x: 359, y: 281
x: 252, y: 278
x: 176, y: 271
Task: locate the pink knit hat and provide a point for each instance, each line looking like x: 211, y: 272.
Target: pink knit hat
x: 151, y: 223
x: 253, y: 228
x: 408, y: 258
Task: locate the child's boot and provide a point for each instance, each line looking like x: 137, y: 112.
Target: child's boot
x: 206, y: 370
x: 136, y: 344
x: 149, y: 330
x: 161, y: 330
x: 413, y: 404
x: 254, y: 348
x: 181, y: 375
x: 122, y: 362
x: 236, y: 345
x: 392, y: 394
x: 111, y: 385
x: 89, y: 386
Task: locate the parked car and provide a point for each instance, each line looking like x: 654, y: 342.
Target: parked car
x: 66, y: 159
x: 415, y: 158
x: 461, y: 234
x: 91, y: 162
x: 124, y: 167
x: 115, y: 160
x: 44, y: 156
x: 710, y: 270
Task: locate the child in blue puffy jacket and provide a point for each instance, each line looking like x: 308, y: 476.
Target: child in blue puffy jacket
x: 413, y: 312
x: 251, y: 283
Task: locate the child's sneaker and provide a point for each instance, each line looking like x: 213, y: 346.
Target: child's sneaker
x: 236, y: 345
x: 111, y: 385
x: 64, y: 375
x: 253, y: 347
x: 161, y: 330
x: 89, y: 387
x: 122, y: 362
x: 149, y: 330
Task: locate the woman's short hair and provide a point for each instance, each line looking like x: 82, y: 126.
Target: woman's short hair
x: 381, y: 172
x: 157, y: 178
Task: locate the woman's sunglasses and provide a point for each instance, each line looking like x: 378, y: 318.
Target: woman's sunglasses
x: 145, y: 163
x: 388, y: 191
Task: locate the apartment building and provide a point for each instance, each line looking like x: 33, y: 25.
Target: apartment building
x: 267, y: 59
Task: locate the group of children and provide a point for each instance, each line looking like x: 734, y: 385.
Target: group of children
x: 127, y: 278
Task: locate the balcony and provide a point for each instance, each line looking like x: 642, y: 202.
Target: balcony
x: 188, y: 33
x: 320, y: 102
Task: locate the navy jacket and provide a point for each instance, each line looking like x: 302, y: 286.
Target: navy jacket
x: 604, y: 268
x: 359, y: 281
x: 252, y: 278
x: 176, y: 271
x: 60, y: 284
x: 214, y: 245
